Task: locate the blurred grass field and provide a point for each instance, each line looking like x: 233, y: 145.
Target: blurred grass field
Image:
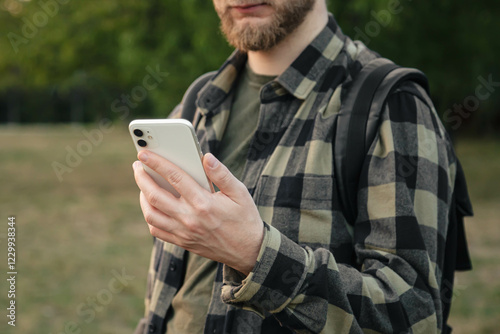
x: 74, y: 236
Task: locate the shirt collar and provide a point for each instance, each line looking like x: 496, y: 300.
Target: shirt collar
x: 299, y: 79
x: 310, y: 66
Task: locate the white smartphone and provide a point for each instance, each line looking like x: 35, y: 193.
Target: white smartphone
x: 176, y: 141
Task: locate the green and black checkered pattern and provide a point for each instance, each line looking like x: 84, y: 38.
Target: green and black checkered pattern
x: 316, y: 273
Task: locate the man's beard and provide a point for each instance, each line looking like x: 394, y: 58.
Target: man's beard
x: 288, y: 15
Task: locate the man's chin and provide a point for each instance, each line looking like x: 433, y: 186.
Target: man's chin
x: 255, y: 42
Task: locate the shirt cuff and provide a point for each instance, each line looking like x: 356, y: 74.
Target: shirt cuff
x: 275, y: 280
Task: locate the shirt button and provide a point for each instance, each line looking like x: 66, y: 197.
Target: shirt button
x: 173, y: 266
x: 152, y: 328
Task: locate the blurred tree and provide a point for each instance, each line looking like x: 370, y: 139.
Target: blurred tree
x: 453, y: 42
x: 76, y: 61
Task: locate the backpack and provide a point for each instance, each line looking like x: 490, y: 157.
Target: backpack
x: 357, y: 126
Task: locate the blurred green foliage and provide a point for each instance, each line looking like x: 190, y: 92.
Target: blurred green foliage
x: 68, y: 60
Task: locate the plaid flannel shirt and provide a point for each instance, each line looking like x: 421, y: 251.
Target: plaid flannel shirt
x: 316, y: 273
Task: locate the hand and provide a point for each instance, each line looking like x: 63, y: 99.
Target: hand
x: 224, y: 226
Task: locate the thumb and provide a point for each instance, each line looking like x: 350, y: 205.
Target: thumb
x: 222, y: 177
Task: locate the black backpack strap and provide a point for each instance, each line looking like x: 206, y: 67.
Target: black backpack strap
x: 189, y: 100
x: 358, y: 123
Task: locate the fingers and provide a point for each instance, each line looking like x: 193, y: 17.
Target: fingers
x: 162, y: 209
x: 153, y: 216
x: 185, y: 185
x: 155, y: 195
x: 222, y: 178
x: 160, y: 225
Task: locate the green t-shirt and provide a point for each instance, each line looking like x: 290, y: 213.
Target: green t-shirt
x: 190, y: 305
x: 242, y: 121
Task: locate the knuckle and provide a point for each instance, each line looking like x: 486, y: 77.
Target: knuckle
x: 188, y: 242
x: 184, y: 238
x: 149, y: 217
x: 174, y: 177
x: 155, y: 232
x: 153, y: 198
x: 202, y: 205
x: 226, y: 176
x: 191, y: 226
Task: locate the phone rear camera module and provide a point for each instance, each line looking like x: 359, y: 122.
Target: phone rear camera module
x: 142, y: 143
x: 138, y: 133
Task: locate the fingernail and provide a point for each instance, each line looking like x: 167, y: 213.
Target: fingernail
x: 212, y: 161
x: 136, y: 164
x: 143, y: 156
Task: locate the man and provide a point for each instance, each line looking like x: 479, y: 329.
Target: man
x: 271, y: 251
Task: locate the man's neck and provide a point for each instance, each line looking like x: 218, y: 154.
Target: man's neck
x: 279, y: 58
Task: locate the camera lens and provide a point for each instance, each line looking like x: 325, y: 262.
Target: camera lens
x: 142, y: 143
x: 138, y: 133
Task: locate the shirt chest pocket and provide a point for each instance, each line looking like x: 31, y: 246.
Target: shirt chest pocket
x: 299, y: 206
